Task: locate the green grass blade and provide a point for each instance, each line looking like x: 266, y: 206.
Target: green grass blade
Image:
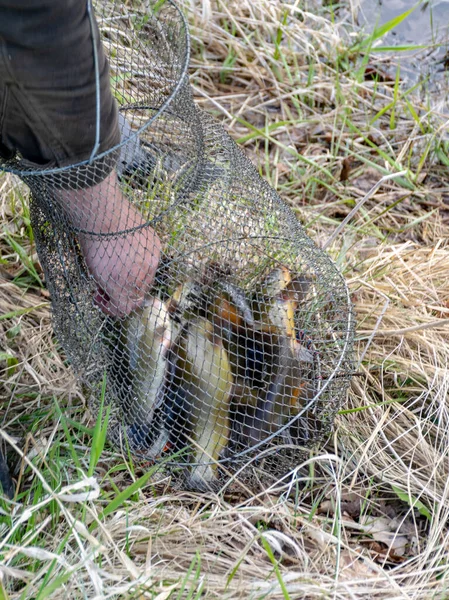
x: 57, y: 583
x: 186, y: 578
x: 100, y: 431
x: 413, y: 502
x: 382, y: 30
x: 400, y: 48
x: 22, y: 311
x: 25, y: 259
x: 395, y: 98
x: 3, y: 593
x: 125, y: 494
x: 279, y: 35
x: 68, y: 436
x: 275, y: 564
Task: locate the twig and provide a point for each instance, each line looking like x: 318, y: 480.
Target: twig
x: 383, y: 332
x: 359, y: 204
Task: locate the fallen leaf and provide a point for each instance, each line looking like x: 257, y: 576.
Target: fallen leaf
x: 350, y: 507
x: 352, y: 568
x: 383, y: 530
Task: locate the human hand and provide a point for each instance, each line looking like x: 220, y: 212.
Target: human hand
x: 123, y: 266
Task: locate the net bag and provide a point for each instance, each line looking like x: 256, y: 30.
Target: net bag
x: 241, y: 354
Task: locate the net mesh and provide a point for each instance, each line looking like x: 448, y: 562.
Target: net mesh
x: 241, y: 353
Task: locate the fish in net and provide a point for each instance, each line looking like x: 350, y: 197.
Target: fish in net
x: 241, y: 353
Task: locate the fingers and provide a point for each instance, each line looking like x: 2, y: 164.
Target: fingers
x: 124, y: 269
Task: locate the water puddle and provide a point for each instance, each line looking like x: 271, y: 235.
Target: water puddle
x: 427, y: 25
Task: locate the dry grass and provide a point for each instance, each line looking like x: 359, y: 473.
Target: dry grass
x: 366, y: 518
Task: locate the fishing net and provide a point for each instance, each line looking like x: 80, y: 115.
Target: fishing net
x: 240, y: 356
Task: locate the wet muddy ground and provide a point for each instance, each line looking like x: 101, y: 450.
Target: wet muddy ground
x: 427, y: 25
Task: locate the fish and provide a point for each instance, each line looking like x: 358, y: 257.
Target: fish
x: 259, y: 333
x: 266, y: 360
x: 275, y: 282
x: 230, y: 310
x: 232, y: 305
x: 283, y: 398
x: 274, y: 303
x: 147, y: 335
x: 200, y: 400
x: 226, y: 306
x: 276, y: 299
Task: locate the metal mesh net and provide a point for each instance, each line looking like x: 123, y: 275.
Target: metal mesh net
x: 241, y: 353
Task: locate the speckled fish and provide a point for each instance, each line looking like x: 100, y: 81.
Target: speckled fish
x: 276, y: 299
x: 282, y: 399
x: 186, y: 300
x: 230, y: 310
x: 148, y: 333
x: 274, y: 304
x: 200, y: 413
